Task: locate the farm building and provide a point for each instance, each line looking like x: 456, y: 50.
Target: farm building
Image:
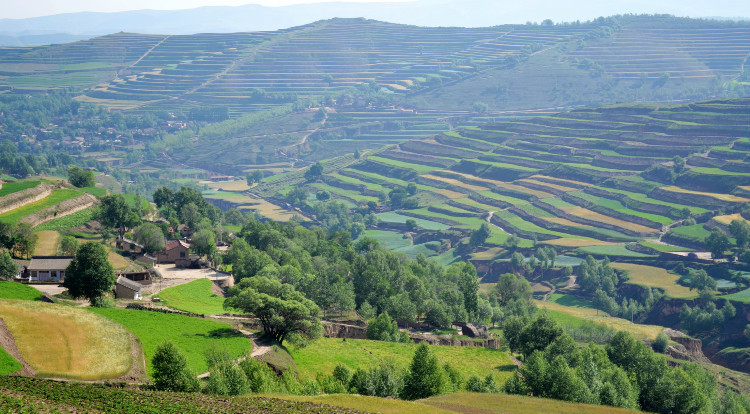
x: 221, y: 178
x: 48, y: 268
x: 175, y: 250
x: 127, y: 289
x: 143, y: 278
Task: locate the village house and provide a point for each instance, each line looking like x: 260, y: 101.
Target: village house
x: 127, y: 289
x: 174, y: 251
x: 48, y: 268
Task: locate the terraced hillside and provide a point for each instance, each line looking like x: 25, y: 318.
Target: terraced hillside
x: 597, y: 179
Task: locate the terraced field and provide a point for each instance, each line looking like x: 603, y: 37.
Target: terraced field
x: 581, y: 179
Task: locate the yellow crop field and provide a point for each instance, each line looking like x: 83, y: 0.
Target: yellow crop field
x: 655, y: 277
x: 728, y: 218
x: 63, y: 341
x: 507, y: 186
x: 564, y: 221
x: 229, y: 185
x: 269, y: 210
x: 453, y: 195
x: 592, y: 215
x: 571, y: 242
x: 546, y: 184
x: 637, y: 330
x: 455, y: 182
x: 47, y: 243
x: 723, y: 197
x: 562, y: 181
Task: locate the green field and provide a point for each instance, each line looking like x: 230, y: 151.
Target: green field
x: 76, y: 219
x: 570, y: 301
x: 741, y: 296
x: 15, y: 290
x: 16, y: 186
x: 613, y: 250
x: 56, y: 197
x: 195, y: 297
x: 391, y: 217
x: 389, y: 239
x: 192, y: 336
x: 322, y: 356
x: 470, y: 403
x: 8, y: 364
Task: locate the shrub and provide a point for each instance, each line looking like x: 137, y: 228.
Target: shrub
x: 660, y: 344
x: 170, y: 371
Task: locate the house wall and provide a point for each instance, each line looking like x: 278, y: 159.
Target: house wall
x: 47, y: 275
x: 123, y: 292
x: 171, y: 256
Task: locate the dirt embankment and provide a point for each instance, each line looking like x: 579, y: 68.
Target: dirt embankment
x: 8, y: 343
x: 63, y: 209
x: 21, y: 198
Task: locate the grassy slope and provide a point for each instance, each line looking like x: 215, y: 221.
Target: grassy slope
x: 195, y: 297
x: 193, y: 336
x: 16, y: 186
x: 63, y: 341
x: 470, y: 403
x: 324, y: 354
x: 655, y: 277
x: 637, y: 330
x: 47, y: 243
x: 8, y: 364
x: 57, y: 196
x: 15, y: 290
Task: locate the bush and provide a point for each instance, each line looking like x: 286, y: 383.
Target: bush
x: 380, y: 381
x: 170, y: 370
x: 661, y: 343
x: 425, y: 377
x: 383, y: 328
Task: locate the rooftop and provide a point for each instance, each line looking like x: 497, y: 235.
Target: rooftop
x: 49, y: 262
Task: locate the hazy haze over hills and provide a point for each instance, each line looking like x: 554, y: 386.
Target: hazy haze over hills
x: 252, y: 17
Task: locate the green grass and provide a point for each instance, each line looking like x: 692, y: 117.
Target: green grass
x: 72, y: 220
x: 392, y: 217
x: 16, y: 186
x: 15, y: 290
x: 741, y: 296
x: 612, y: 250
x: 95, y: 191
x: 571, y: 301
x: 617, y: 206
x: 717, y: 171
x: 389, y: 239
x: 471, y: 403
x: 696, y: 231
x: 133, y: 201
x: 322, y: 356
x: 192, y: 336
x: 419, y: 168
x: 56, y: 197
x: 8, y: 364
x: 663, y: 247
x: 195, y: 297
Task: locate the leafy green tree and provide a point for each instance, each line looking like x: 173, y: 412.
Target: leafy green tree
x: 8, y: 268
x: 90, y: 274
x: 257, y: 176
x: 379, y: 381
x: 204, y: 242
x: 314, y: 172
x: 679, y: 164
x: 190, y: 215
x: 383, y: 328
x: 366, y: 311
x: 164, y: 197
x: 150, y: 236
x: 411, y: 188
x: 69, y: 245
x: 425, y: 377
x: 323, y: 195
x: 717, y: 242
x: 539, y: 334
x: 479, y: 236
x: 661, y: 343
x: 80, y: 178
x: 281, y: 309
x: 170, y: 370
x: 114, y: 212
x: 740, y: 229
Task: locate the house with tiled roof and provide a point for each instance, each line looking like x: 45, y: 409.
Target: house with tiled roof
x: 48, y: 268
x: 175, y: 250
x: 127, y: 289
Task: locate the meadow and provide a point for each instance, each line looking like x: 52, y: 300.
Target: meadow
x: 63, y: 341
x: 15, y: 290
x: 8, y: 364
x: 192, y: 336
x: 741, y: 296
x: 195, y: 297
x: 592, y: 315
x: 57, y: 196
x: 323, y: 354
x: 16, y: 186
x: 656, y: 277
x: 76, y: 219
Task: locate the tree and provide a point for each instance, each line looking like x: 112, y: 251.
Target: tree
x: 90, y: 274
x: 740, y: 229
x: 164, y: 197
x: 411, y: 188
x: 323, y: 195
x: 425, y: 377
x: 204, y: 242
x: 80, y: 178
x: 479, y: 236
x: 679, y: 164
x: 114, y: 212
x: 8, y: 268
x: 190, y: 215
x: 314, y: 172
x: 539, y: 334
x: 170, y: 370
x: 383, y: 328
x: 661, y: 343
x: 717, y: 242
x: 282, y: 310
x: 150, y: 236
x: 69, y: 245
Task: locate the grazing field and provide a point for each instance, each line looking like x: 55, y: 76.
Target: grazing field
x: 62, y: 341
x: 48, y: 242
x: 15, y: 290
x: 596, y: 316
x: 195, y: 297
x: 655, y: 277
x: 324, y: 354
x: 57, y: 196
x: 8, y: 364
x: 192, y: 336
x: 473, y: 403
